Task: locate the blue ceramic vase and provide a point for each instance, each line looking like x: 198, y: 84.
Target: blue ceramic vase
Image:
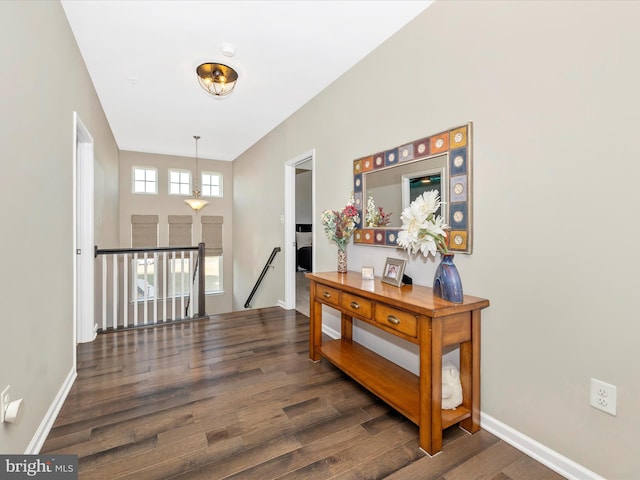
x: 447, y: 283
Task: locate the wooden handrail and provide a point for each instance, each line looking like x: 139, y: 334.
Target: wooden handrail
x: 111, y: 251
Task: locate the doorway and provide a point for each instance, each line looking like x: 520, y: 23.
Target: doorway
x: 299, y: 201
x: 84, y: 323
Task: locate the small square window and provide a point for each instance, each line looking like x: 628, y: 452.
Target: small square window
x: 179, y: 182
x: 145, y: 180
x: 211, y: 184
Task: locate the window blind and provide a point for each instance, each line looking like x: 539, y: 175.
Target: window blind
x: 180, y: 230
x: 144, y: 231
x: 212, y: 234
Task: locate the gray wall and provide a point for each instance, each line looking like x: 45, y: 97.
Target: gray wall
x: 552, y: 90
x: 44, y: 81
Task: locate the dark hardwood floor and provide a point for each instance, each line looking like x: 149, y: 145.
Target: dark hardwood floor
x: 235, y: 396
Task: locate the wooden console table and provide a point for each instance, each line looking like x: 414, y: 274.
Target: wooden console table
x: 414, y: 314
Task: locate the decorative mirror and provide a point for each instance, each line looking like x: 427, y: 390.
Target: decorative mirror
x: 384, y: 184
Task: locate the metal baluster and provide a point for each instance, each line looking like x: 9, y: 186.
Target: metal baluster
x: 191, y: 290
x: 114, y: 306
x: 155, y: 287
x: 182, y: 282
x: 134, y: 277
x: 104, y: 292
x: 173, y: 285
x: 164, y: 286
x: 145, y: 272
x: 125, y: 290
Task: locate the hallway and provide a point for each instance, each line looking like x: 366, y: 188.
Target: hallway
x: 302, y: 293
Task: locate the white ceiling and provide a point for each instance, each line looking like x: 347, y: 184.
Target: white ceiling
x: 142, y: 57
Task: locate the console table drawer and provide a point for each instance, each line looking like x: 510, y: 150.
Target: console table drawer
x: 399, y: 320
x: 359, y: 306
x: 328, y: 294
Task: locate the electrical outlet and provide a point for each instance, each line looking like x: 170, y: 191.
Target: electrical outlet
x: 603, y: 396
x: 4, y: 402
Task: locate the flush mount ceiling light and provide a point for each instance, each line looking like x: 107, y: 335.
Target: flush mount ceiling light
x: 217, y: 79
x: 196, y: 203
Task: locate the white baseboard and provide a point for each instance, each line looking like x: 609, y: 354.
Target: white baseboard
x: 331, y: 332
x: 539, y: 452
x: 550, y: 458
x: 50, y: 417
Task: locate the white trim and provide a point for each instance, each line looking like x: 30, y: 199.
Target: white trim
x: 133, y: 180
x: 83, y: 236
x: 74, y: 196
x: 220, y: 176
x: 550, y: 458
x: 290, y: 224
x: 50, y: 417
x: 330, y: 332
x: 180, y: 183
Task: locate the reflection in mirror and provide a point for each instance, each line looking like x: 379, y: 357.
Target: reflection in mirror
x: 413, y: 187
x: 387, y: 182
x: 394, y: 188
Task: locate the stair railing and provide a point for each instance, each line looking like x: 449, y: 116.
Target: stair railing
x: 274, y: 252
x: 147, y: 286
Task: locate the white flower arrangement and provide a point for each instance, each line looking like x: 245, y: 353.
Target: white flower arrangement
x: 423, y: 231
x: 375, y: 215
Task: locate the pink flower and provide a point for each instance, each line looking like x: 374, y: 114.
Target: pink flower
x: 340, y: 225
x: 350, y: 211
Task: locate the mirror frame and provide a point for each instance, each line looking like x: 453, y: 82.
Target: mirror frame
x: 456, y: 143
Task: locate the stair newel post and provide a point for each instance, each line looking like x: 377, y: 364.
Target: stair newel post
x: 201, y: 288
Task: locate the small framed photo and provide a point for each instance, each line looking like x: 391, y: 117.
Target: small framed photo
x: 367, y: 273
x: 393, y: 271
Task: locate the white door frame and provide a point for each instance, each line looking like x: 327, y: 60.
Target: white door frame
x: 83, y: 221
x: 290, y: 224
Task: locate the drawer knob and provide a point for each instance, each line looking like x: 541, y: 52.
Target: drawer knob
x: 355, y: 305
x: 326, y: 295
x: 392, y: 319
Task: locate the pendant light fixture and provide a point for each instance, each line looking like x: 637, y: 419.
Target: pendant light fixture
x: 196, y: 203
x: 217, y: 79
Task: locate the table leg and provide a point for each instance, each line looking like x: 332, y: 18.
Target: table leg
x: 315, y: 324
x: 431, y: 385
x: 346, y: 328
x: 470, y: 375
